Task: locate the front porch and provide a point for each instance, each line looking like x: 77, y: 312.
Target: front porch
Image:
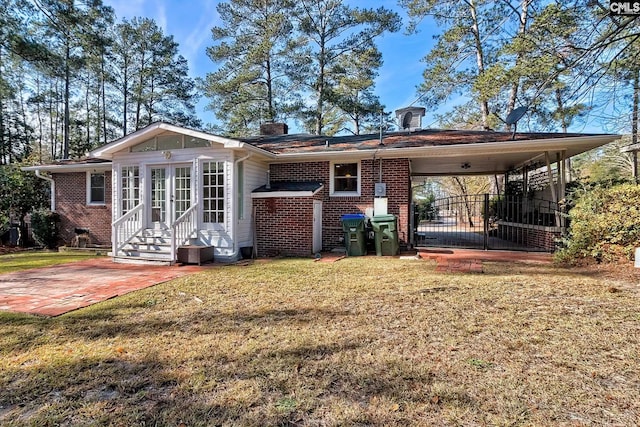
x: 132, y: 241
x: 173, y: 188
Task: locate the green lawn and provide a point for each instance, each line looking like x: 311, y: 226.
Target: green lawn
x: 362, y: 341
x: 32, y: 259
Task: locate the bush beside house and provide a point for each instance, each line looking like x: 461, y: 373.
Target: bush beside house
x: 604, y: 225
x: 46, y: 225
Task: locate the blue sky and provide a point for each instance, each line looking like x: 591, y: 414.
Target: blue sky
x: 190, y: 23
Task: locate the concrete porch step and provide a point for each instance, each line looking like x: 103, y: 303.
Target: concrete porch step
x: 148, y: 247
x: 123, y: 259
x: 146, y: 254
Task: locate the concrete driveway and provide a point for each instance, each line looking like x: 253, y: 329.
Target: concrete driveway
x: 51, y: 291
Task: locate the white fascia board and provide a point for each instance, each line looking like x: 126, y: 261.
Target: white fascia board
x: 84, y: 167
x: 252, y: 149
x: 456, y: 150
x: 274, y: 194
x: 522, y: 146
x: 107, y: 151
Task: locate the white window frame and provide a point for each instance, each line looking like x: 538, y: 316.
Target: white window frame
x: 141, y: 192
x: 332, y: 191
x: 225, y: 211
x: 90, y: 202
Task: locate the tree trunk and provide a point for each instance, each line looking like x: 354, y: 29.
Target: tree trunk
x: 67, y: 83
x: 634, y: 120
x: 321, y: 82
x: 139, y: 92
x: 38, y: 115
x: 513, y: 96
x: 104, y: 98
x: 320, y: 92
x: 484, y: 104
x: 463, y: 190
x: 3, y: 144
x: 271, y: 115
x: 87, y: 103
x: 57, y: 122
x: 125, y: 91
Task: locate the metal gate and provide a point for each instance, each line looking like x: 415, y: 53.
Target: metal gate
x: 485, y: 221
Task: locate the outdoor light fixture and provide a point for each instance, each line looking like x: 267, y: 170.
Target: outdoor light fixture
x: 465, y: 165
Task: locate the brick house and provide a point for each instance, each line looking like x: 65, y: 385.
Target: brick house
x: 165, y: 187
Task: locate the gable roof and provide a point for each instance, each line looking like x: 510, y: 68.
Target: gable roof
x: 107, y: 151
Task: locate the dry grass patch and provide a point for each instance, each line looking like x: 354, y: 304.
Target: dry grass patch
x: 358, y: 342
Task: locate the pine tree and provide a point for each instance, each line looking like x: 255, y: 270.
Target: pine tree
x: 152, y: 79
x: 250, y: 84
x: 332, y: 31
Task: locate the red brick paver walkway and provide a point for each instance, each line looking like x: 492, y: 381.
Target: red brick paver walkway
x: 51, y: 291
x: 470, y: 260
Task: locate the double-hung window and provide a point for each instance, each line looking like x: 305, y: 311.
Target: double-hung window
x: 213, y: 197
x: 345, y: 179
x: 95, y: 188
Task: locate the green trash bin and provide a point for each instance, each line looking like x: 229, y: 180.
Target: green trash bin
x: 354, y: 236
x: 386, y: 234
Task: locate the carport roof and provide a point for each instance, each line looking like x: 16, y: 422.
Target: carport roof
x: 435, y: 151
x: 303, y: 143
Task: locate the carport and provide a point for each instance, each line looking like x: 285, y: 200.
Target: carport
x: 534, y: 220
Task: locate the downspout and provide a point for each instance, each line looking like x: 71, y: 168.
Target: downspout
x: 53, y: 188
x: 236, y: 221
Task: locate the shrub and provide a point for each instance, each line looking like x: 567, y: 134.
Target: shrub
x: 426, y: 208
x: 604, y: 225
x: 45, y: 227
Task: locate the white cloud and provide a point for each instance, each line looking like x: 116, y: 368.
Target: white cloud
x: 193, y: 45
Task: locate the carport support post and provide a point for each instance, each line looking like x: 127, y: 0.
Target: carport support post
x: 486, y: 221
x: 562, y: 181
x: 554, y: 193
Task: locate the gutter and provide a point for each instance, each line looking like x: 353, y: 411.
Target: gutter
x: 53, y: 188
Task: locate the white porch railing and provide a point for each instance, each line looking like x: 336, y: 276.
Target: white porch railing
x: 183, y: 229
x: 126, y: 227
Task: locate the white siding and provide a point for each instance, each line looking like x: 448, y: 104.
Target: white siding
x: 255, y: 175
x: 219, y: 235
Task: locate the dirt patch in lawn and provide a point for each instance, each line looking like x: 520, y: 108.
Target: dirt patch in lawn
x: 357, y: 342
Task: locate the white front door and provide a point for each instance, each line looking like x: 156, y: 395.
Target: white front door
x: 170, y: 194
x: 317, y: 226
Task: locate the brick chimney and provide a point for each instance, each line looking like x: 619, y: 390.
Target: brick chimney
x: 272, y: 129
